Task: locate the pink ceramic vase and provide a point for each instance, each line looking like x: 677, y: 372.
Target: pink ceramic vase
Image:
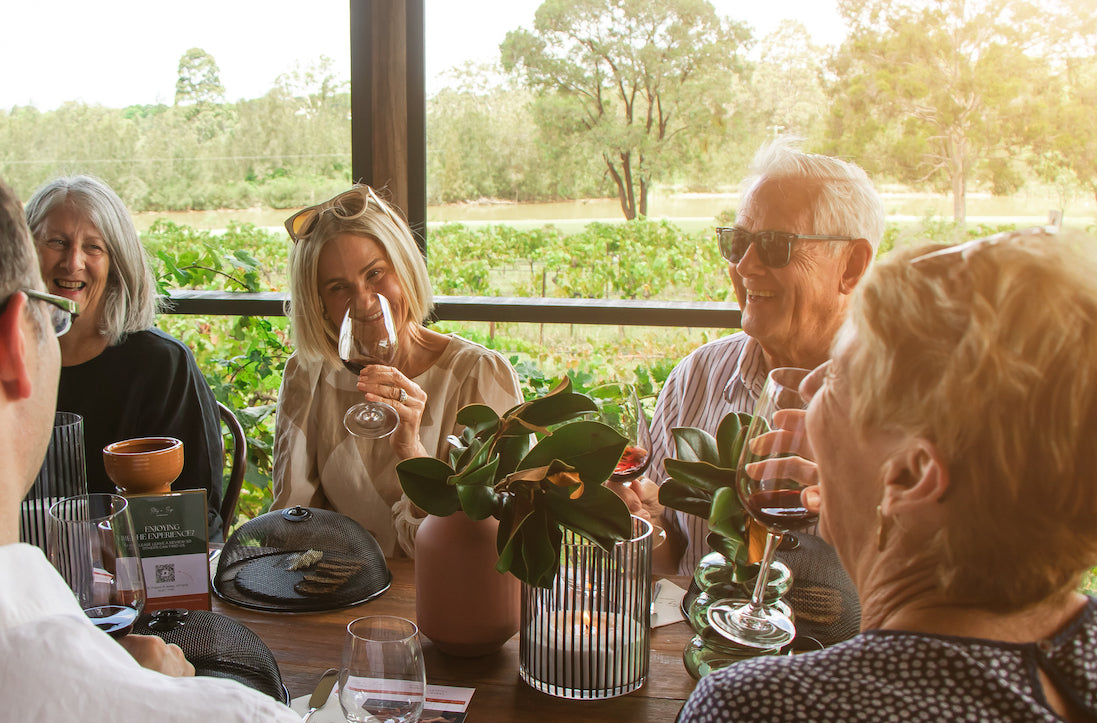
x: 462, y: 604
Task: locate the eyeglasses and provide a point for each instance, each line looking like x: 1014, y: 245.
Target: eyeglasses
x: 774, y: 247
x: 348, y: 205
x: 965, y: 250
x: 62, y: 310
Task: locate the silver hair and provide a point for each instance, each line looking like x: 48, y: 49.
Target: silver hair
x: 130, y: 302
x: 847, y: 204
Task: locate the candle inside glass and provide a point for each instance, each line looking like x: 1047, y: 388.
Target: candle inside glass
x: 585, y: 649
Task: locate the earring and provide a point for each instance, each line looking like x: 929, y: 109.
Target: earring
x: 881, y: 529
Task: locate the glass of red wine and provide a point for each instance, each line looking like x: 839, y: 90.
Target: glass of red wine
x: 771, y: 496
x: 619, y: 407
x: 93, y: 545
x: 368, y: 336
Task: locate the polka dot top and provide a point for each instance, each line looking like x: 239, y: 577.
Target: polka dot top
x: 898, y: 676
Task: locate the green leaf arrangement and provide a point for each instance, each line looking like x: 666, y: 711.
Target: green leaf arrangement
x: 702, y: 483
x: 533, y: 489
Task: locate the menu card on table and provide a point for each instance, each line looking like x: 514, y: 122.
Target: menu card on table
x: 443, y: 704
x: 174, y: 543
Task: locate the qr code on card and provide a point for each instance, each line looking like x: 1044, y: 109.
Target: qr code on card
x: 165, y: 572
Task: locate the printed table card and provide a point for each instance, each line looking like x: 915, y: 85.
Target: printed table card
x: 174, y: 543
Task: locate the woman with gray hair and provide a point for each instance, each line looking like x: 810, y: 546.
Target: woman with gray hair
x: 346, y: 249
x: 953, y: 432
x: 125, y: 377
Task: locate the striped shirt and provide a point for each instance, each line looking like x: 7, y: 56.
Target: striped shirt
x: 716, y: 379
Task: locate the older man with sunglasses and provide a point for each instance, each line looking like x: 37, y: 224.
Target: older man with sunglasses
x: 806, y: 232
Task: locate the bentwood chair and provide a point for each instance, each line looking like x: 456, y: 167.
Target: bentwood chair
x: 231, y: 493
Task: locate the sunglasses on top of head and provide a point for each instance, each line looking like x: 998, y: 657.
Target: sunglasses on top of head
x: 347, y: 206
x: 774, y: 248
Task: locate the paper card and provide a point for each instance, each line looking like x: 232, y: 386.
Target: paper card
x: 174, y: 543
x: 444, y: 704
x: 666, y: 604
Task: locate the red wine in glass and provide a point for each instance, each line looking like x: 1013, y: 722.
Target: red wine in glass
x: 779, y: 510
x: 370, y: 339
x: 634, y: 460
x: 115, y: 620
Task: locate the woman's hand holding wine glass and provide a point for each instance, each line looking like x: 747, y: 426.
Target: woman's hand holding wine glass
x: 367, y: 336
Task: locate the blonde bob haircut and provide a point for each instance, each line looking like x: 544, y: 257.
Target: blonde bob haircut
x: 315, y: 336
x: 990, y: 353
x: 130, y: 302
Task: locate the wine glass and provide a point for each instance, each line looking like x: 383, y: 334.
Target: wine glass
x: 368, y: 336
x: 93, y: 545
x: 619, y: 407
x: 772, y: 500
x: 383, y: 678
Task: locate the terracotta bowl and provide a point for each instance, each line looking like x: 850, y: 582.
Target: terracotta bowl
x: 146, y: 465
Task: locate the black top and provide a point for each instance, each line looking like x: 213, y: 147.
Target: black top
x: 148, y: 386
x: 901, y: 676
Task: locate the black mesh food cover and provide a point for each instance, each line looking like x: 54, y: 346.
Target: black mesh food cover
x: 219, y: 647
x: 822, y: 597
x: 301, y: 559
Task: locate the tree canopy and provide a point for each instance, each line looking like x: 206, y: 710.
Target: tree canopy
x: 630, y: 80
x: 944, y: 92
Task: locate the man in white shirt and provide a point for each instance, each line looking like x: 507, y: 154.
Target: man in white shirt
x: 793, y: 287
x: 54, y: 663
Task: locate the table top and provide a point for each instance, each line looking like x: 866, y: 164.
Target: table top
x: 306, y: 644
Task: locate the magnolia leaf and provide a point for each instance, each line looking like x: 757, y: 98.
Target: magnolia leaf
x: 532, y: 553
x: 477, y: 500
x: 727, y: 516
x: 541, y: 540
x: 517, y: 427
x: 484, y: 475
x: 694, y: 445
x: 477, y: 417
x: 598, y: 515
x: 513, y: 511
x: 730, y: 436
x: 569, y: 480
x: 425, y: 480
x: 685, y: 498
x: 702, y: 475
x: 734, y: 550
x: 534, y: 474
x: 510, y: 451
x: 556, y: 407
x: 591, y: 448
x: 465, y: 459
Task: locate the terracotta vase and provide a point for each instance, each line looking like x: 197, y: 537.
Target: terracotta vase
x: 462, y: 604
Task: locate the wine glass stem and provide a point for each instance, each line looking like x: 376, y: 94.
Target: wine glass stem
x: 758, y: 597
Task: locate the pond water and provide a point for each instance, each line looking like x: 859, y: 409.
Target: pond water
x: 691, y: 211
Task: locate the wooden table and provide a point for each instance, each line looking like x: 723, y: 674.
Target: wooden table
x: 307, y: 644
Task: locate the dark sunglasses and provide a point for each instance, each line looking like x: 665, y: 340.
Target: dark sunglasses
x: 774, y: 247
x: 62, y: 310
x: 348, y: 205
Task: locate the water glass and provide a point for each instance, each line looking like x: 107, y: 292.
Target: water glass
x: 383, y: 679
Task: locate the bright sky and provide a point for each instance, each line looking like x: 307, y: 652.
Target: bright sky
x: 122, y: 52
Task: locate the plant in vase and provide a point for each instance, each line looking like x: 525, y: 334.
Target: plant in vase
x: 515, y: 480
x: 702, y: 483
